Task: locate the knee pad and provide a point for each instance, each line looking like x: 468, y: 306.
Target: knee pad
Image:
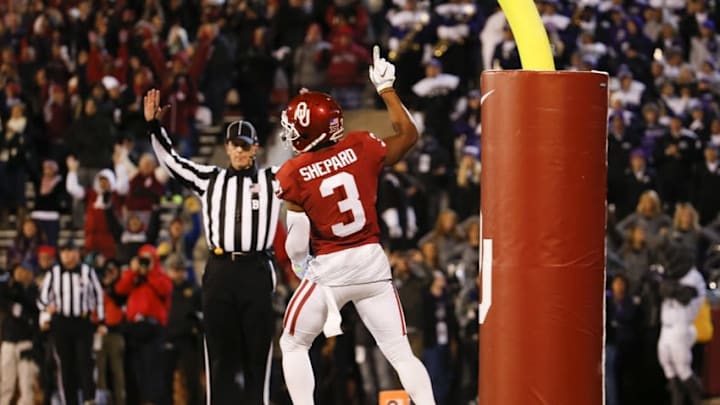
x: 292, y: 343
x: 396, y: 349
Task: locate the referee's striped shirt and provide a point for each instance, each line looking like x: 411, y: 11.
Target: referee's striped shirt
x: 240, y: 211
x: 73, y: 292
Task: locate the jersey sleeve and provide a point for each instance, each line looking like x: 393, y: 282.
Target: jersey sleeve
x: 375, y: 148
x: 288, y: 189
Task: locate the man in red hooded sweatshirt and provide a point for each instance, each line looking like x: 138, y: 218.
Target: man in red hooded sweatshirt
x: 148, y: 290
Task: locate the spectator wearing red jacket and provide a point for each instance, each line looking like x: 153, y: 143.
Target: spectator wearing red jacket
x: 146, y: 287
x: 148, y: 292
x: 107, y: 186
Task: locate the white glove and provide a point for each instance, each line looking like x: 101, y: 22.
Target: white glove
x: 300, y: 268
x: 382, y: 72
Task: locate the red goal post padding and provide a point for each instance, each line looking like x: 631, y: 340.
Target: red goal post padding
x: 543, y: 214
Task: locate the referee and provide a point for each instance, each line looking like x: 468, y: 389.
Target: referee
x: 240, y: 215
x: 70, y: 293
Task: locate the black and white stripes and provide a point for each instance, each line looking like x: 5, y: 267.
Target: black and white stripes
x: 74, y: 293
x: 194, y: 176
x: 240, y: 210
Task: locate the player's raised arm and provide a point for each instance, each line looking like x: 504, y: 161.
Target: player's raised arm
x: 382, y: 75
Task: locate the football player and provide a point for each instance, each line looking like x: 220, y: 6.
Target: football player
x: 330, y: 189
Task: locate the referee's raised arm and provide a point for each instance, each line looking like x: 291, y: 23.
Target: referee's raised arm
x: 192, y: 175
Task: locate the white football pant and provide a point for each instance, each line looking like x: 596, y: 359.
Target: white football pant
x: 675, y: 350
x: 380, y: 310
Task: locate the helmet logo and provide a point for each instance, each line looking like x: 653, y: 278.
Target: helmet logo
x: 302, y: 114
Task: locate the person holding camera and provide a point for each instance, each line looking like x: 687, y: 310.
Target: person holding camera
x: 148, y: 292
x: 70, y: 293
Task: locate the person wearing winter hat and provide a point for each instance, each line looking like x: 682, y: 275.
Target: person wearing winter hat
x: 107, y: 185
x: 148, y: 292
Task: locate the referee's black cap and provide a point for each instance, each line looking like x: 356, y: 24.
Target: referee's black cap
x: 69, y: 245
x: 241, y: 130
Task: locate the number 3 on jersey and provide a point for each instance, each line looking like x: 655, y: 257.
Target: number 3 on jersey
x: 350, y: 203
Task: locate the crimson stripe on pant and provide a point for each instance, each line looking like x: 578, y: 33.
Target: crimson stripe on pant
x: 300, y: 305
x: 303, y: 283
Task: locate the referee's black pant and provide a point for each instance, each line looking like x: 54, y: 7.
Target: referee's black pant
x: 73, y: 343
x: 238, y: 316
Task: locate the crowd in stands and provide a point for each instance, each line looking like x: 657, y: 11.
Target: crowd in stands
x: 73, y: 75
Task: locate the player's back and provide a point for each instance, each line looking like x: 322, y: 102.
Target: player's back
x: 336, y: 186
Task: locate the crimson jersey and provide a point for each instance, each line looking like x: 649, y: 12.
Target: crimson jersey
x: 336, y: 186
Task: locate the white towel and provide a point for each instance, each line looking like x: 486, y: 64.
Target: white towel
x: 332, y: 322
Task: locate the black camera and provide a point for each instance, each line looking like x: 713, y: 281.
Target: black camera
x: 144, y: 262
